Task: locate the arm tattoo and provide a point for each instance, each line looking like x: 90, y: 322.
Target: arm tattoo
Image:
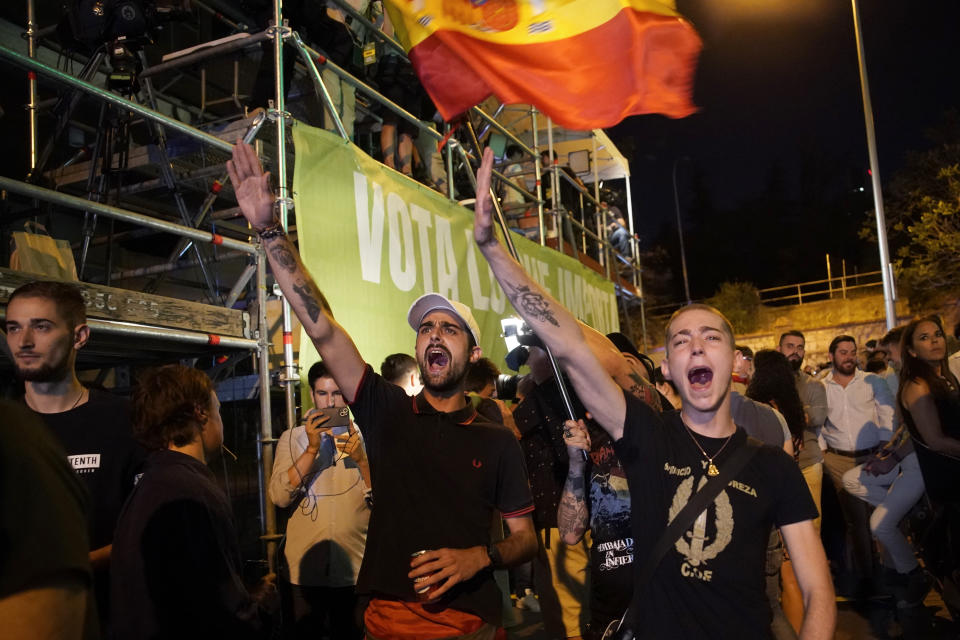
x: 284, y: 257
x: 572, y: 515
x: 309, y: 299
x: 531, y: 302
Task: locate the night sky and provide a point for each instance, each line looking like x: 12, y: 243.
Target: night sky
x: 781, y: 111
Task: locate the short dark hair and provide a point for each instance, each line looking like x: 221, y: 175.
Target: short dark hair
x: 893, y: 336
x: 66, y: 296
x: 794, y: 333
x: 513, y: 150
x: 838, y: 340
x: 480, y: 374
x: 166, y: 403
x: 397, y: 366
x: 317, y: 371
x: 744, y: 350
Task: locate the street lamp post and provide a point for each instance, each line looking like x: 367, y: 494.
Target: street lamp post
x: 885, y: 266
x: 683, y: 253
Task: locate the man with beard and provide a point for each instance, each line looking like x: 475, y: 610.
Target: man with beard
x: 709, y: 582
x: 860, y: 419
x: 46, y: 327
x: 438, y: 470
x: 814, y: 398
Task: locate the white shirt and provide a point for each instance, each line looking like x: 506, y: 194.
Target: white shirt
x: 327, y: 529
x: 954, y: 363
x: 860, y: 415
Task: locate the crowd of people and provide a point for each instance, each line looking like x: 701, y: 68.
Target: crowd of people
x: 684, y: 502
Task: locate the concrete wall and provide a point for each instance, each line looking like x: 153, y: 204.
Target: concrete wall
x: 861, y: 317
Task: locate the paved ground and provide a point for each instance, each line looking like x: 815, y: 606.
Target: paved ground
x: 856, y: 621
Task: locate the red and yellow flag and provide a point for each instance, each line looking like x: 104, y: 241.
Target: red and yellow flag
x: 586, y: 63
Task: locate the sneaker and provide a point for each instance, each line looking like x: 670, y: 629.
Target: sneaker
x: 918, y: 584
x: 528, y: 601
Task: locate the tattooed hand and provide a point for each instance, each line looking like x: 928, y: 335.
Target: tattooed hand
x: 251, y: 185
x: 483, y: 232
x: 577, y: 439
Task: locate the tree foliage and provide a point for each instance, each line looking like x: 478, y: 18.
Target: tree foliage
x: 740, y: 302
x: 923, y: 218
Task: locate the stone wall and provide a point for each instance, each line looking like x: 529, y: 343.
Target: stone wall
x: 862, y: 317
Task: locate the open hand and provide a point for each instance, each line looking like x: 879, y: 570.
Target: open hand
x: 251, y: 186
x: 447, y: 567
x: 483, y: 232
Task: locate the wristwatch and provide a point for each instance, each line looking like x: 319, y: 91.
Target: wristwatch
x: 496, y: 560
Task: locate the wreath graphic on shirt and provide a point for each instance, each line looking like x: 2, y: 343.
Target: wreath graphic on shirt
x: 698, y: 550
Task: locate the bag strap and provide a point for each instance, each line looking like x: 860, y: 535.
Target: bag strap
x: 683, y: 520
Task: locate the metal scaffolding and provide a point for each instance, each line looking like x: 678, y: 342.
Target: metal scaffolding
x: 279, y: 32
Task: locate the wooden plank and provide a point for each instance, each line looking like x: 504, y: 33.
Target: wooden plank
x: 123, y: 305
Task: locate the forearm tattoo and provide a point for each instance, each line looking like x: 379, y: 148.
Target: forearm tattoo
x: 572, y: 516
x: 531, y: 302
x: 310, y: 299
x: 282, y: 253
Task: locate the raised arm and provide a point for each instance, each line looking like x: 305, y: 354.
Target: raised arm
x: 553, y: 324
x: 255, y: 198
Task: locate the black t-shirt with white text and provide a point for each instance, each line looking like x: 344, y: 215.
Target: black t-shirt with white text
x: 611, y: 537
x: 711, y: 582
x: 98, y: 439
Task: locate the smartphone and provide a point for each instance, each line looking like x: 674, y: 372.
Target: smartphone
x: 339, y: 419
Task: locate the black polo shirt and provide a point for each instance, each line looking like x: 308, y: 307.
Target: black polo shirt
x: 437, y: 478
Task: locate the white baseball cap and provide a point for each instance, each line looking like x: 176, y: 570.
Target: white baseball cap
x: 433, y: 302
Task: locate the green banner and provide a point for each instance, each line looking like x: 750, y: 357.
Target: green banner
x: 375, y: 240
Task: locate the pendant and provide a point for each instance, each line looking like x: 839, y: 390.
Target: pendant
x: 712, y: 470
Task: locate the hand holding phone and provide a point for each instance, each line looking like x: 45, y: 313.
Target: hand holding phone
x: 315, y: 425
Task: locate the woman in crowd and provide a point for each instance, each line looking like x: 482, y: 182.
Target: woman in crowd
x: 929, y: 394
x: 774, y: 383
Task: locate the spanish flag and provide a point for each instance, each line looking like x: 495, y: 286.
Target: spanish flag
x: 587, y: 64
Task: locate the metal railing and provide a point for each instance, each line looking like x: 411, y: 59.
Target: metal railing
x: 825, y: 289
x: 839, y: 287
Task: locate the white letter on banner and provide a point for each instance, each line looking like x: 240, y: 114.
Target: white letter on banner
x: 447, y: 280
x: 480, y: 301
x: 403, y: 268
x: 423, y: 218
x: 543, y: 269
x: 498, y: 299
x: 369, y: 230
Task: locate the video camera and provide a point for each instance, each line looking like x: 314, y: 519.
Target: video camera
x: 123, y: 26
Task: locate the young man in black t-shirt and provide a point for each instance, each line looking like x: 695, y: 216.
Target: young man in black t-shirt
x: 437, y: 468
x: 46, y: 327
x: 711, y: 582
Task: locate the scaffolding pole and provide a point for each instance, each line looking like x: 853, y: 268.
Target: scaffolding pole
x: 280, y: 31
x: 32, y: 86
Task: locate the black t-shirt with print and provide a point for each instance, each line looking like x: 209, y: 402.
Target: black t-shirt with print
x: 611, y: 537
x: 710, y: 584
x: 98, y: 439
x: 437, y: 479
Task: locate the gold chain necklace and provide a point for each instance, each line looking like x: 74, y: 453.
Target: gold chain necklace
x: 79, y: 397
x: 711, y: 468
